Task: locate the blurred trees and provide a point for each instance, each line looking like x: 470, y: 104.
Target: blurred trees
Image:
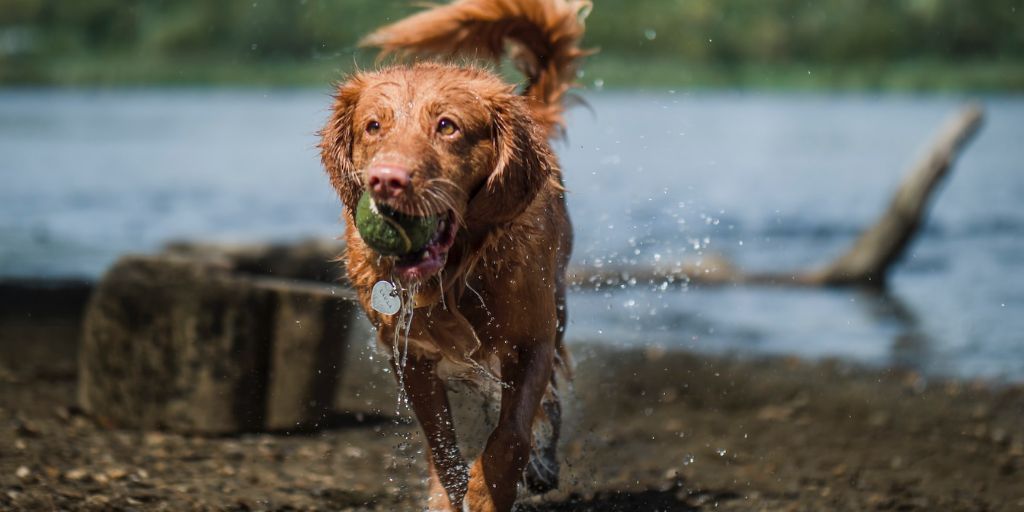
x: 810, y: 31
x: 238, y: 28
x: 690, y: 31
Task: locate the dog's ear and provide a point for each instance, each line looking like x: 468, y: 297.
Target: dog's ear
x: 336, y: 144
x: 523, y: 164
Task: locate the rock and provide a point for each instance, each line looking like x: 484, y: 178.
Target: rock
x: 76, y: 474
x: 775, y: 413
x: 310, y: 260
x: 878, y: 419
x: 25, y: 428
x: 189, y: 344
x: 97, y: 500
x: 309, y: 338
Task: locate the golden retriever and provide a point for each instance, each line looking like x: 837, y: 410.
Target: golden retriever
x: 485, y: 300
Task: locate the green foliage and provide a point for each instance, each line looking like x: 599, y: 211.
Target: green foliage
x: 41, y: 39
x: 809, y: 31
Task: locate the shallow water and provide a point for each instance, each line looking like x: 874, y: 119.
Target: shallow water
x: 772, y: 181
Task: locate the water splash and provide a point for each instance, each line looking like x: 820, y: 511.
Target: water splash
x: 402, y: 326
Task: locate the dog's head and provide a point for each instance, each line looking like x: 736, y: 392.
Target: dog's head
x: 435, y: 139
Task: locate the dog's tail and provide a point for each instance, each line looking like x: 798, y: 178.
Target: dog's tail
x: 543, y: 36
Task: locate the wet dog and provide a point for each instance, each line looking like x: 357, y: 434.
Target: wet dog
x: 484, y: 301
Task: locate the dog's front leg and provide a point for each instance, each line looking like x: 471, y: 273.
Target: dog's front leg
x: 495, y: 475
x: 429, y: 400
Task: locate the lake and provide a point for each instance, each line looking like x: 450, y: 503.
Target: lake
x: 773, y: 181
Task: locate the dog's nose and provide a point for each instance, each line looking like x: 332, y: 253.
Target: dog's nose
x: 388, y: 181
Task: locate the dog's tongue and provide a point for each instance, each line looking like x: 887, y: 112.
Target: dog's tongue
x: 420, y: 267
x: 429, y: 263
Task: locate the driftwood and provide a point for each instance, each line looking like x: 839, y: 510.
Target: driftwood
x: 868, y: 260
x: 188, y: 345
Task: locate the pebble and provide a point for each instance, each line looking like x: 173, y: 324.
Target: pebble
x: 62, y: 413
x: 1017, y: 448
x: 155, y: 438
x: 23, y: 472
x: 775, y: 413
x: 97, y: 500
x: 25, y: 428
x: 878, y: 419
x: 76, y: 474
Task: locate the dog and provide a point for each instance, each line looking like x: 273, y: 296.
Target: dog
x: 485, y: 300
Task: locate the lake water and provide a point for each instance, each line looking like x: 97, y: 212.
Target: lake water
x: 772, y: 181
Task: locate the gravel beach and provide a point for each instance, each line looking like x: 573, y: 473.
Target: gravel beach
x: 646, y: 430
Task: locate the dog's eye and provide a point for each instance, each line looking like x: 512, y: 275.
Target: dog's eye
x: 446, y: 127
x: 372, y: 127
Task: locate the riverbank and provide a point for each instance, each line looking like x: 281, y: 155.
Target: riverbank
x: 647, y: 430
x: 601, y: 72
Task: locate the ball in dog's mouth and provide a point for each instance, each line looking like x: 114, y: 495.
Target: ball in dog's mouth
x: 420, y: 265
x: 419, y: 244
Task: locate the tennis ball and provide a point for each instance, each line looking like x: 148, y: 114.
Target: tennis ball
x: 392, y: 233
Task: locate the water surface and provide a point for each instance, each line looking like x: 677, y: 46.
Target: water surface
x: 772, y: 181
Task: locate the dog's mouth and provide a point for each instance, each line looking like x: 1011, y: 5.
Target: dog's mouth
x: 424, y: 263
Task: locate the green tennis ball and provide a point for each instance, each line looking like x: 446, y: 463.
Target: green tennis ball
x: 392, y: 233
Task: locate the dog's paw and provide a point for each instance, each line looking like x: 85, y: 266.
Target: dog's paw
x: 541, y: 474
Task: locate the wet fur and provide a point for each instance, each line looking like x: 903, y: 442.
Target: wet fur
x: 496, y: 313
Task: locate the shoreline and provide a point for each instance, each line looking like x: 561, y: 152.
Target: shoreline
x: 611, y: 72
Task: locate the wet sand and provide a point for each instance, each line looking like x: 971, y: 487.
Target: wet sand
x: 647, y: 430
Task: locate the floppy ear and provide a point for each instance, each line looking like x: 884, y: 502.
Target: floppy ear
x: 336, y: 144
x: 524, y: 162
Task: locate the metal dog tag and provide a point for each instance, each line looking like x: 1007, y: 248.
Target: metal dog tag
x: 384, y: 298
